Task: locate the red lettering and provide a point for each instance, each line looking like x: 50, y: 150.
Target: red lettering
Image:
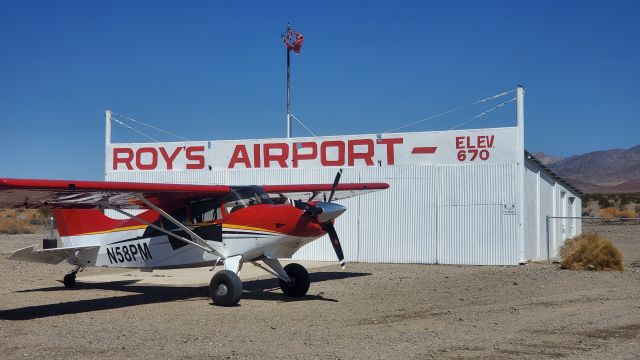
x: 469, y: 145
x: 240, y: 156
x: 154, y: 158
x: 490, y: 140
x: 459, y: 142
x: 482, y: 141
x: 198, y: 158
x: 256, y: 155
x: 169, y: 159
x: 280, y: 158
x: 339, y: 145
x: 390, y: 150
x: 122, y: 160
x: 367, y: 156
x: 297, y: 156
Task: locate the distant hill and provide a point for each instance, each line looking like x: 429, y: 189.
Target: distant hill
x: 546, y: 159
x: 615, y: 170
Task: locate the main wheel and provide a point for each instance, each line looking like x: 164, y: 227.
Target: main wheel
x: 69, y: 281
x: 225, y: 288
x: 299, y: 280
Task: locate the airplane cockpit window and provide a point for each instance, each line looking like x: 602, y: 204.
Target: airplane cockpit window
x: 204, y: 211
x: 242, y: 197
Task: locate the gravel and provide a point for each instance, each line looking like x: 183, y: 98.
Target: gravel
x: 368, y: 311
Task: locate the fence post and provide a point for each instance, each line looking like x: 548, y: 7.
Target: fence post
x: 548, y: 241
x: 51, y: 223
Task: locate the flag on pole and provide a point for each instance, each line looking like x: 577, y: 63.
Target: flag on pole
x: 292, y: 40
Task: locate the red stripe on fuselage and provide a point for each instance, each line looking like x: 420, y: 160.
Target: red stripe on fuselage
x: 73, y: 222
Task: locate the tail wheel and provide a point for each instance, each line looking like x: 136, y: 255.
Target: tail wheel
x: 225, y: 288
x: 300, y: 281
x: 69, y: 280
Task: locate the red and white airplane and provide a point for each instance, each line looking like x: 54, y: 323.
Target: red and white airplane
x: 174, y: 226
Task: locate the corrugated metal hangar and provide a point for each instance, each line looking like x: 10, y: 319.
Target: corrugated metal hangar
x: 455, y: 197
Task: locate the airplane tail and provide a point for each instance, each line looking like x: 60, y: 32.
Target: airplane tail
x: 79, y: 227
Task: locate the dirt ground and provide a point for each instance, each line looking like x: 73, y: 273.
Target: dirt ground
x: 369, y: 311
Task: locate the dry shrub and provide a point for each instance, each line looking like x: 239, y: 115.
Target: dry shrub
x: 590, y: 251
x: 628, y: 213
x: 612, y: 213
x: 15, y: 222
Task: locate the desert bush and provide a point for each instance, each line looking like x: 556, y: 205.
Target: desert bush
x: 628, y: 213
x: 15, y: 222
x: 609, y: 212
x: 590, y: 251
x: 612, y: 213
x: 15, y: 226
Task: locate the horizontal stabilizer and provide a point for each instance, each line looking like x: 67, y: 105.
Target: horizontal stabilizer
x: 47, y: 256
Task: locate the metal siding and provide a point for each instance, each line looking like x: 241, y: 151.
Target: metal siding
x: 532, y: 213
x: 475, y: 222
x: 398, y: 225
x: 430, y: 214
x: 488, y: 236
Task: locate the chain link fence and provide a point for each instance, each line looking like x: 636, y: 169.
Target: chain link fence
x: 14, y: 222
x: 623, y: 232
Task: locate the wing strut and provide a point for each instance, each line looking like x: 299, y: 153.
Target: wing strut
x: 195, y: 239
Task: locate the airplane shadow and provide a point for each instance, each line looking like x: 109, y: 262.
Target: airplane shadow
x: 264, y: 289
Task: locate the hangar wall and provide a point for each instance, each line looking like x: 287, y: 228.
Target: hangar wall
x: 454, y: 201
x: 547, y: 195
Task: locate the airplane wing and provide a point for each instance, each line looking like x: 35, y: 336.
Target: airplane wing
x: 322, y: 191
x: 71, y: 194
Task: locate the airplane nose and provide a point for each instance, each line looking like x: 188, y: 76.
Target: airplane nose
x: 329, y: 211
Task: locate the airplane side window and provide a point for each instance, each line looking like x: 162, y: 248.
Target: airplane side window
x: 203, y: 211
x: 180, y: 215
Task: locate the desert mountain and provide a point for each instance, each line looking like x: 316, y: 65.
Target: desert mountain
x: 546, y: 159
x: 615, y: 170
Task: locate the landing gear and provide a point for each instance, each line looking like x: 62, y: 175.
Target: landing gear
x: 225, y: 288
x: 69, y: 280
x: 299, y: 284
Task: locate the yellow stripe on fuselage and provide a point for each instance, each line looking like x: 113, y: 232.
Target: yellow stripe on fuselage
x: 138, y: 227
x: 125, y: 228
x: 233, y: 226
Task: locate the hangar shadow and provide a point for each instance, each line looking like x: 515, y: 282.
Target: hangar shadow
x: 262, y: 289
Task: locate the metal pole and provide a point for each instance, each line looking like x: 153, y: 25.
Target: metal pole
x: 288, y: 93
x: 107, y: 132
x: 521, y: 171
x: 107, y: 139
x: 548, y: 240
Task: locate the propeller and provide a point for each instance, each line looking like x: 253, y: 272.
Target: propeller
x: 335, y: 242
x: 335, y: 184
x: 325, y: 212
x: 328, y: 226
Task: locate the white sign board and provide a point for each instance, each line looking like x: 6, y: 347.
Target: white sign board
x: 427, y: 148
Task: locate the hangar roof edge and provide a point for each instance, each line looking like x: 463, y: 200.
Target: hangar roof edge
x: 535, y: 160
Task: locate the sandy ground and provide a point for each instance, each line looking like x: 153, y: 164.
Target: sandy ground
x: 369, y: 311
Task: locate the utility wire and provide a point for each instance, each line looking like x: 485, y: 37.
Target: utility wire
x: 483, y: 113
x: 452, y: 110
x: 303, y: 125
x: 149, y: 126
x: 134, y: 129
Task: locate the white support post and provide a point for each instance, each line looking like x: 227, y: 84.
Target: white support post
x: 107, y: 139
x: 107, y: 132
x: 521, y: 172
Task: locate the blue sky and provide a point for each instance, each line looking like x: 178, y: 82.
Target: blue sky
x: 210, y: 70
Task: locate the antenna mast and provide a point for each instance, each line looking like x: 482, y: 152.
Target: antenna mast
x: 292, y: 41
